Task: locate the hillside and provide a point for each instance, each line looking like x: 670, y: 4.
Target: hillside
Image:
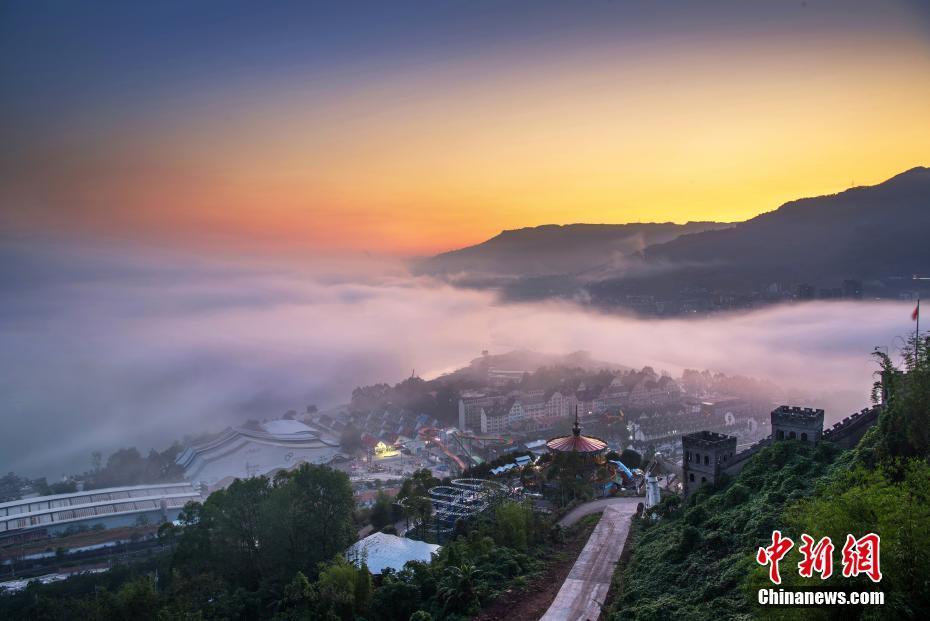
x: 866, y: 232
x: 874, y: 237
x: 702, y: 550
x: 556, y: 249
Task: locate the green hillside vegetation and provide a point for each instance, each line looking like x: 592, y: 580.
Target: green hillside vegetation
x: 698, y: 560
x: 271, y: 549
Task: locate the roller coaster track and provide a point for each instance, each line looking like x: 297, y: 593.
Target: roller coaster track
x: 432, y: 435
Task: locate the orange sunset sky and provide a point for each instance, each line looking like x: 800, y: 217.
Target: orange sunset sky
x: 411, y: 134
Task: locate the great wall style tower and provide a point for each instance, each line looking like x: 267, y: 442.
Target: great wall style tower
x: 707, y: 455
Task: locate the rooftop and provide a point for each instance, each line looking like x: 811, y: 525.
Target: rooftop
x: 799, y: 412
x: 283, y: 427
x: 381, y: 551
x: 576, y: 443
x: 707, y: 438
x: 157, y: 488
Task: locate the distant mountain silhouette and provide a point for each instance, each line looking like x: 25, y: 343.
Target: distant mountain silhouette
x: 878, y: 235
x: 555, y: 249
x: 864, y: 232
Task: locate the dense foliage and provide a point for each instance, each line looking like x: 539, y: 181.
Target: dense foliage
x: 436, y: 398
x: 883, y: 487
x: 123, y: 467
x: 701, y: 551
x: 129, y: 467
x: 698, y: 560
x: 271, y: 549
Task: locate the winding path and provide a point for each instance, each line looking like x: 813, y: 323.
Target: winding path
x: 585, y: 589
x: 596, y: 506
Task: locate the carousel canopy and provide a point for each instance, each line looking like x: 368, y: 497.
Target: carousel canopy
x: 576, y: 443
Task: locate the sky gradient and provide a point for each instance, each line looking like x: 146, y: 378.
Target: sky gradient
x: 410, y: 128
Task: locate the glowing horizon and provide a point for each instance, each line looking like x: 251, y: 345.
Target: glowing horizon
x: 611, y: 115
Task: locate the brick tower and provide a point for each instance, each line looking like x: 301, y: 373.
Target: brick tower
x: 794, y: 423
x: 705, y: 455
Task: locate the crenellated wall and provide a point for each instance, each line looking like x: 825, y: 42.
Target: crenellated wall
x: 741, y: 458
x: 850, y: 430
x: 845, y: 433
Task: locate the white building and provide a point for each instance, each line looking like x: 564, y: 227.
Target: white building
x: 381, y: 551
x: 110, y: 507
x: 240, y: 453
x: 501, y: 417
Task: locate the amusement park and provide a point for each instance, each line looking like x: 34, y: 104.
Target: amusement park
x: 563, y: 471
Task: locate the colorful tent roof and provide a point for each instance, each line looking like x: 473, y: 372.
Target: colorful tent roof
x: 576, y: 443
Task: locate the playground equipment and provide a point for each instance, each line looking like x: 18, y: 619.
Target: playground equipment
x: 465, y: 443
x: 620, y: 466
x: 462, y: 499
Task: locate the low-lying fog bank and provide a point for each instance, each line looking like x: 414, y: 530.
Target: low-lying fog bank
x: 108, y: 348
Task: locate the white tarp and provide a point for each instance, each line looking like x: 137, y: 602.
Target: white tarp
x: 381, y: 550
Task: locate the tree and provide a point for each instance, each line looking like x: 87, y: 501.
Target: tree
x: 397, y: 598
x: 128, y: 467
x: 630, y: 458
x: 61, y: 487
x: 345, y: 590
x: 11, y: 486
x: 308, y: 518
x: 381, y: 512
x: 457, y: 589
x: 514, y: 525
x: 904, y: 423
x: 137, y: 599
x: 259, y: 531
x: 237, y: 521
x: 300, y: 598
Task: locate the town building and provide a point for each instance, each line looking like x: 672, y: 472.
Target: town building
x: 44, y: 516
x: 501, y: 416
x: 244, y: 452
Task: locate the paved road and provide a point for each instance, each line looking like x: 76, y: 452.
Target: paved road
x: 585, y: 589
x: 596, y: 506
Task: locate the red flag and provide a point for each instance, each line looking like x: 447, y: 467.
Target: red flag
x: 916, y: 312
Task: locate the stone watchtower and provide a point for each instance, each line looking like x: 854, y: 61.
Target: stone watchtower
x: 705, y: 455
x: 794, y: 423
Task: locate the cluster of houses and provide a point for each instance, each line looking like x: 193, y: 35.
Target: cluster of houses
x: 732, y: 415
x: 653, y: 408
x: 492, y: 412
x: 388, y: 426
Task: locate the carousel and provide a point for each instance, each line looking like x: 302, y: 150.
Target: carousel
x: 607, y: 476
x: 577, y: 443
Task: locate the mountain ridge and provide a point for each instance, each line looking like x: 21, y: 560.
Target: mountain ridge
x: 554, y: 248
x: 866, y: 234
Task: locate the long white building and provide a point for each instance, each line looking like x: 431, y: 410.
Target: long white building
x: 110, y: 507
x: 240, y: 453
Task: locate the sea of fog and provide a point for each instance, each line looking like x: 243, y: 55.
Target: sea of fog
x: 104, y: 348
